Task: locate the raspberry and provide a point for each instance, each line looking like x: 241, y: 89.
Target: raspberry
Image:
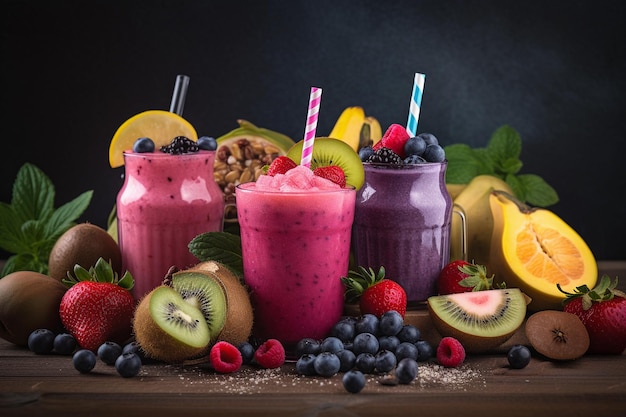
x: 271, y: 354
x: 394, y: 138
x: 225, y: 357
x: 450, y: 352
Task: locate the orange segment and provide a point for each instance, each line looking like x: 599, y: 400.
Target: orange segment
x: 159, y: 125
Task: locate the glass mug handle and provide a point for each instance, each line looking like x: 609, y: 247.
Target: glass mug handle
x: 458, y: 234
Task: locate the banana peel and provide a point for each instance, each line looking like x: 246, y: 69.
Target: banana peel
x: 356, y: 129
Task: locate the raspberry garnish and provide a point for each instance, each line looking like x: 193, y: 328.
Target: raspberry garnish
x: 225, y: 357
x: 271, y: 354
x: 450, y: 352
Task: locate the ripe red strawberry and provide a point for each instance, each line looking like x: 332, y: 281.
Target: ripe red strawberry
x: 375, y: 293
x: 462, y: 276
x: 280, y: 165
x: 98, y: 307
x: 332, y: 173
x: 395, y: 138
x: 603, y: 312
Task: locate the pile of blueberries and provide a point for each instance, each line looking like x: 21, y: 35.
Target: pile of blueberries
x: 364, y: 345
x: 419, y: 149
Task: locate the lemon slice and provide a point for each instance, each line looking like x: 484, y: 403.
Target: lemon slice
x: 159, y: 125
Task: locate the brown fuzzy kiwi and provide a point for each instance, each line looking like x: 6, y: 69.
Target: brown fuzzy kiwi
x: 168, y: 328
x: 240, y: 315
x: 83, y: 244
x: 557, y: 335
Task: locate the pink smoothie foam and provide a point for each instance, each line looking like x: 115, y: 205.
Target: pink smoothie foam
x: 295, y: 235
x: 166, y: 201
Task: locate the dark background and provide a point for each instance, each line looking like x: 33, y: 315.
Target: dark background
x: 73, y: 71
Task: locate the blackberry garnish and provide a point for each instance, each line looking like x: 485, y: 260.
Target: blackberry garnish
x: 385, y: 156
x: 180, y: 145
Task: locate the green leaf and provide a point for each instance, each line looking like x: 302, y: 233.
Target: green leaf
x: 23, y: 262
x: 462, y: 164
x: 537, y: 192
x: 33, y: 194
x: 11, y: 237
x: 220, y: 247
x: 508, y: 166
x: 505, y: 143
x: 63, y: 217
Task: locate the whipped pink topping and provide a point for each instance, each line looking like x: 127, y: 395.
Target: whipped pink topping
x: 299, y: 178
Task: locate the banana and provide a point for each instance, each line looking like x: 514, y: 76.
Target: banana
x: 474, y: 200
x: 348, y: 126
x: 371, y: 132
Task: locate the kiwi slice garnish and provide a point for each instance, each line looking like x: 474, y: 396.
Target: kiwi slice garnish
x: 480, y: 320
x: 557, y: 335
x: 168, y: 328
x: 330, y: 152
x: 206, y: 294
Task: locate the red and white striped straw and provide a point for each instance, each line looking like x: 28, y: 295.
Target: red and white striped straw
x: 311, y: 125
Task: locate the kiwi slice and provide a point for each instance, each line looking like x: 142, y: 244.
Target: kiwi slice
x: 168, y: 328
x: 329, y: 152
x: 557, y: 335
x: 206, y: 294
x: 480, y: 320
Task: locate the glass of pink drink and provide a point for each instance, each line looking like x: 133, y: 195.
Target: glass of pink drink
x: 296, y: 246
x: 166, y: 201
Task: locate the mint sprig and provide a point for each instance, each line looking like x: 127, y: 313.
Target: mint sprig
x: 220, y: 247
x: 30, y: 225
x: 500, y: 158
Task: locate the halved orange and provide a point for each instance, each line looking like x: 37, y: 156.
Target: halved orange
x: 159, y: 125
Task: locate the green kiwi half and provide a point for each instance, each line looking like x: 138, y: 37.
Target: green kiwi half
x: 206, y: 294
x: 168, y: 328
x: 480, y: 320
x: 329, y: 152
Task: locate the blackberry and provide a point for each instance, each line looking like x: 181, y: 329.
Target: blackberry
x: 384, y: 156
x: 180, y: 145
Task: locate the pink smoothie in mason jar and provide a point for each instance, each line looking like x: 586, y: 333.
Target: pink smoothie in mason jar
x: 295, y: 236
x: 166, y: 201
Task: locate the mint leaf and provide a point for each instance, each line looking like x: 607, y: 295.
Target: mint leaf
x: 23, y: 262
x: 33, y: 194
x: 11, y: 238
x: 505, y: 143
x: 537, y: 192
x: 63, y: 217
x: 221, y: 247
x: 463, y: 165
x: 509, y: 166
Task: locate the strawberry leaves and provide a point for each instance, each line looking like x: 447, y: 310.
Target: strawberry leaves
x: 102, y: 272
x: 605, y: 290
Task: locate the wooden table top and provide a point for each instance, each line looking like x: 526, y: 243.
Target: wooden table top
x: 48, y: 385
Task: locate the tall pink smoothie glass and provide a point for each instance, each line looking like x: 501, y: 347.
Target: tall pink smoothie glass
x: 166, y: 201
x: 296, y: 248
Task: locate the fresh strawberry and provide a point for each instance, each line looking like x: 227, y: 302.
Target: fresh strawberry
x: 375, y: 293
x: 280, y: 165
x: 394, y: 138
x: 462, y: 276
x: 603, y: 312
x: 98, y: 307
x: 332, y: 173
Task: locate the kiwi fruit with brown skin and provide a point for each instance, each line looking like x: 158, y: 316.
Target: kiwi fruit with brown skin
x: 29, y: 301
x: 557, y: 335
x: 239, y: 312
x: 329, y: 152
x: 83, y: 244
x: 168, y: 328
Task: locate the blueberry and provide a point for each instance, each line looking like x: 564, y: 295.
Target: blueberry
x: 326, y: 364
x: 347, y: 359
x: 429, y: 138
x: 331, y: 344
x: 128, y: 365
x: 343, y: 330
x: 406, y: 350
x: 367, y: 323
x: 84, y: 360
x: 353, y: 381
x: 425, y: 350
x: 365, y: 343
x: 305, y: 364
x: 406, y: 371
x: 409, y: 333
x: 108, y: 352
x: 207, y: 143
x: 385, y: 361
x: 365, y: 362
x: 133, y: 347
x: 365, y: 152
x: 434, y: 153
x: 308, y: 345
x: 247, y: 352
x: 143, y: 145
x: 41, y: 341
x: 518, y: 356
x: 390, y: 323
x: 64, y: 344
x: 389, y: 343
x: 414, y: 160
x: 415, y: 146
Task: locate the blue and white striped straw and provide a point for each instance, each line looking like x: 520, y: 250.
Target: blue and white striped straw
x: 416, y: 102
